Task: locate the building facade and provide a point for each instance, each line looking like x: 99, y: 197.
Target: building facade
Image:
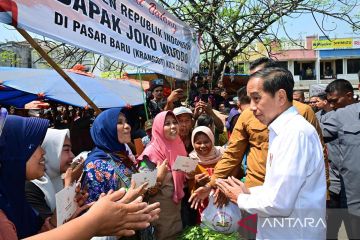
x: 21, y: 54
x: 316, y: 60
x: 15, y: 54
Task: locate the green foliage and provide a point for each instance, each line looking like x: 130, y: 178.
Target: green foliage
x: 198, y: 233
x: 111, y: 74
x: 7, y: 56
x: 229, y: 28
x: 319, y: 2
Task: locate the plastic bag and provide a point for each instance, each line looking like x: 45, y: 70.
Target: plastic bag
x: 224, y: 219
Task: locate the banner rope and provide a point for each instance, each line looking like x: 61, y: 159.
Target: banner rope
x: 143, y: 92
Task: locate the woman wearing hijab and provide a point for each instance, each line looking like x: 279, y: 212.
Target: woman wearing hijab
x: 164, y: 147
x: 41, y: 192
x: 108, y: 166
x: 206, y: 153
x: 21, y: 159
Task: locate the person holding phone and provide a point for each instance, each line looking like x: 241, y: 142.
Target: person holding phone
x: 159, y: 103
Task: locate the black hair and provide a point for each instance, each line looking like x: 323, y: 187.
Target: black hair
x: 322, y: 96
x: 339, y: 85
x: 300, y: 92
x: 199, y: 133
x: 200, y: 85
x: 267, y: 62
x: 204, y: 120
x: 156, y: 86
x: 243, y: 98
x: 276, y: 79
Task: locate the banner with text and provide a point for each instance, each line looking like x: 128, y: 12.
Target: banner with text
x: 324, y: 44
x: 136, y: 32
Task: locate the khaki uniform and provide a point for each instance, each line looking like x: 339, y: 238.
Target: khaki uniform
x: 249, y: 132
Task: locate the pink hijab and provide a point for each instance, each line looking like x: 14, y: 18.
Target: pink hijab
x: 160, y: 149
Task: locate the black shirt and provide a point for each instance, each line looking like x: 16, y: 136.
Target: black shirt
x: 36, y: 198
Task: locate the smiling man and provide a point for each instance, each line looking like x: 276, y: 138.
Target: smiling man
x: 294, y: 190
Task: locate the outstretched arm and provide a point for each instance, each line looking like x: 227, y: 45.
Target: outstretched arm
x: 107, y: 217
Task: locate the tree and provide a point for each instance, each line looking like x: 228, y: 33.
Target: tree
x: 8, y: 58
x: 67, y: 56
x: 229, y: 27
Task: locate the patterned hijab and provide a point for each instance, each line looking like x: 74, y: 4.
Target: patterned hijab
x: 161, y: 148
x: 19, y: 140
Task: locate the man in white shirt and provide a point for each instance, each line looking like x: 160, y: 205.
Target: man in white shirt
x: 291, y: 204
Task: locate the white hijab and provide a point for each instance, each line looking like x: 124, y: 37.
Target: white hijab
x: 51, y: 182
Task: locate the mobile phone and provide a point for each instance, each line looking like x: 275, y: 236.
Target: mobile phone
x: 78, y: 170
x: 74, y: 164
x: 3, y: 114
x: 81, y: 180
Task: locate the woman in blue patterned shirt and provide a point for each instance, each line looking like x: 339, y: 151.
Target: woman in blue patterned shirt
x: 108, y: 166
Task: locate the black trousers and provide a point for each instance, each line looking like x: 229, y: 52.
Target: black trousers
x: 188, y: 215
x: 337, y: 212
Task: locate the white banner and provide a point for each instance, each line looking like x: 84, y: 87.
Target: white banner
x: 136, y: 32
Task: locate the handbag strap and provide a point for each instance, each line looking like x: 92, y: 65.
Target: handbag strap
x: 122, y: 175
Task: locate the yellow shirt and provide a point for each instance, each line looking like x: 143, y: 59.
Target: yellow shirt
x: 250, y: 132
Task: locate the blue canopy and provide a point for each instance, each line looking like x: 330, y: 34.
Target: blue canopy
x: 22, y: 85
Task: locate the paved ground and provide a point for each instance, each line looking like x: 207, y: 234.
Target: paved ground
x: 342, y: 232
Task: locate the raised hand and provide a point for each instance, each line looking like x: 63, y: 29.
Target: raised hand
x: 110, y: 217
x: 202, y: 179
x: 175, y: 95
x: 162, y: 170
x: 197, y: 198
x: 220, y: 198
x: 232, y: 188
x: 134, y: 192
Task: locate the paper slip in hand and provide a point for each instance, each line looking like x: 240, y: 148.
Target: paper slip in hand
x: 143, y: 177
x: 185, y: 164
x: 65, y: 204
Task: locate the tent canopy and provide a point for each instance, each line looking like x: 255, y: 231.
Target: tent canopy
x: 22, y: 85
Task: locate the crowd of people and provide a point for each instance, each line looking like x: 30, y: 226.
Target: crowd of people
x: 273, y: 156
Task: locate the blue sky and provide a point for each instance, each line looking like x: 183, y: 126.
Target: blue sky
x: 305, y: 25
x: 299, y: 27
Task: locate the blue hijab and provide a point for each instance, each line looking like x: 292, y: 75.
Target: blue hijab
x: 19, y: 140
x: 104, y: 135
